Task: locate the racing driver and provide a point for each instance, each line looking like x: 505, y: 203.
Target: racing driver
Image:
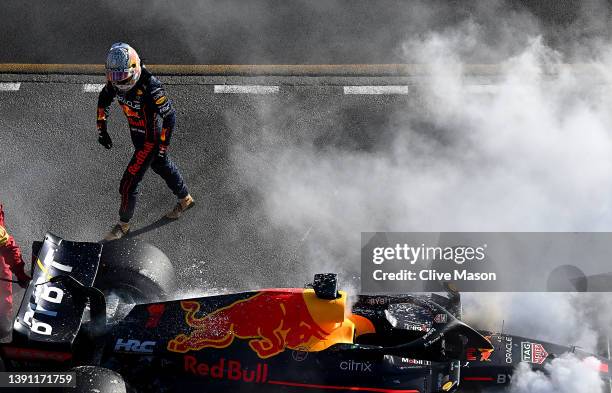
x: 10, y: 261
x: 151, y: 119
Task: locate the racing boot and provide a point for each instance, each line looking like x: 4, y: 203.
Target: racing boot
x: 119, y: 230
x: 182, y: 206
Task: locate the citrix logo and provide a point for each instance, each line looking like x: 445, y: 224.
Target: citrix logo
x: 351, y: 365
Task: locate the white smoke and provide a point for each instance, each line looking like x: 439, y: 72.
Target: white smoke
x: 529, y: 149
x: 564, y: 375
x: 545, y: 316
x: 531, y: 152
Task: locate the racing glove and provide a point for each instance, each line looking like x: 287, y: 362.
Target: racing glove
x: 103, y: 137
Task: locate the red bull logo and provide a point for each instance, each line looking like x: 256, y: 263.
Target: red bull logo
x: 133, y: 116
x: 231, y: 370
x: 129, y: 112
x: 271, y: 321
x: 141, y: 157
x: 478, y: 354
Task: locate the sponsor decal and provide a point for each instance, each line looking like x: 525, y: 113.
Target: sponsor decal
x: 165, y: 109
x: 533, y: 353
x: 231, y: 370
x: 164, y: 132
x: 503, y: 379
x: 135, y: 124
x: 378, y: 300
x: 416, y: 328
x: 161, y: 100
x: 35, y: 354
x: 417, y: 362
x: 45, y: 291
x: 352, y: 365
x: 101, y: 114
x: 478, y: 355
x: 428, y: 336
x: 508, y: 347
x: 134, y: 346
x: 141, y: 157
x: 139, y: 92
x: 269, y: 321
x: 155, y: 313
x: 132, y: 104
x: 440, y: 318
x: 134, y: 118
x: 300, y: 354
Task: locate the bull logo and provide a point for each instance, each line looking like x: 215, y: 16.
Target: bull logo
x: 129, y: 112
x: 271, y: 321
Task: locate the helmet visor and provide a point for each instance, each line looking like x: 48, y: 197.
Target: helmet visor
x: 116, y: 76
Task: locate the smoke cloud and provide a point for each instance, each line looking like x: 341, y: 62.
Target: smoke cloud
x: 527, y: 150
x: 565, y: 374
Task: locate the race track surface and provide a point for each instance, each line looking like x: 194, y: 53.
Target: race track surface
x: 57, y: 178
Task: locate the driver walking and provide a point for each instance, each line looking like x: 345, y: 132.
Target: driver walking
x: 151, y: 119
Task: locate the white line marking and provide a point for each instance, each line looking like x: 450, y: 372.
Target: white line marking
x: 92, y: 88
x: 10, y: 86
x: 246, y: 89
x: 375, y: 89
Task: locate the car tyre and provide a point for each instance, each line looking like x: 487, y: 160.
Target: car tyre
x: 137, y: 270
x: 92, y: 379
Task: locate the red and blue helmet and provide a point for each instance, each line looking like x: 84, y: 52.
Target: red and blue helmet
x: 122, y: 66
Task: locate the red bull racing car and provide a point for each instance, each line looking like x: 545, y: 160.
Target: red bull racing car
x: 100, y: 311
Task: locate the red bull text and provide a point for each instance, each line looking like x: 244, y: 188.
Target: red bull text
x: 231, y: 370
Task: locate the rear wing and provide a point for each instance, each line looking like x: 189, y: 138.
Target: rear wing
x: 51, y: 310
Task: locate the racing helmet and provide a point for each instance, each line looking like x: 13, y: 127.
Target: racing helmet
x: 122, y: 66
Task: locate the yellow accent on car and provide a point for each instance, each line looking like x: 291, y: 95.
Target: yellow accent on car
x: 362, y: 325
x: 448, y: 386
x: 161, y: 100
x: 4, y: 236
x: 330, y: 316
x: 44, y: 269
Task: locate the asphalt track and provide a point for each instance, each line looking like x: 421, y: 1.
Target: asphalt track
x: 57, y: 178
x: 268, y: 31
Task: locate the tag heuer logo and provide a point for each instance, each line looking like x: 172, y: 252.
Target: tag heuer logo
x: 533, y: 353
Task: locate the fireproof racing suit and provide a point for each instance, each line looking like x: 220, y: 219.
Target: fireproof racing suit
x: 151, y: 118
x: 10, y: 261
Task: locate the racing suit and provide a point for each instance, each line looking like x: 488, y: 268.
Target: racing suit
x: 10, y: 262
x: 151, y: 118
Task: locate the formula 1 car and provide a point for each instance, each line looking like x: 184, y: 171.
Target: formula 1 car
x: 78, y: 314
